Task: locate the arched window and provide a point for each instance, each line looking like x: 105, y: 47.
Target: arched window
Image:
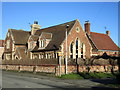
x: 77, y: 48
x: 82, y: 49
x: 71, y: 50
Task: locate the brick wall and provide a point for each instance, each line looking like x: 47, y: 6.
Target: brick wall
x: 55, y: 69
x: 46, y: 68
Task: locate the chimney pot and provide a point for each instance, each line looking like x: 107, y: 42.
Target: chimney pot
x: 35, y: 22
x: 108, y: 33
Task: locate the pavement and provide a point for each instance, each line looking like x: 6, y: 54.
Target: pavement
x: 15, y: 80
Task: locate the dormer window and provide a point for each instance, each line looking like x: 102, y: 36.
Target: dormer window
x: 41, y: 44
x: 44, y: 39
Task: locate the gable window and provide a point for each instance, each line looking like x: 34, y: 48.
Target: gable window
x: 8, y: 44
x: 77, y: 29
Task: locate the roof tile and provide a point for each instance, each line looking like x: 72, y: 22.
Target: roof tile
x: 103, y: 41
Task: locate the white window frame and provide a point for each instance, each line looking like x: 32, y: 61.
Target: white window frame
x: 77, y: 29
x: 41, y: 44
x: 7, y: 56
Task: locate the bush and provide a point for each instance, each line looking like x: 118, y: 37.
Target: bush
x: 118, y: 77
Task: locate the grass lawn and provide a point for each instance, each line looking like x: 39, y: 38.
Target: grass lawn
x: 114, y: 85
x: 71, y: 76
x: 97, y: 75
x: 88, y: 76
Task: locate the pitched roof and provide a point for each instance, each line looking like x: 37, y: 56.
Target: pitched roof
x: 58, y: 34
x: 1, y: 43
x: 20, y: 36
x: 103, y: 41
x: 46, y: 35
x: 21, y: 52
x: 34, y: 37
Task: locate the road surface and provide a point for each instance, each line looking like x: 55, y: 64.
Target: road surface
x: 18, y: 80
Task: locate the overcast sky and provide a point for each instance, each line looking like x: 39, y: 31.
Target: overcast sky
x: 20, y: 15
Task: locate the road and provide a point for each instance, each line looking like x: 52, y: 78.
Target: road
x: 17, y: 80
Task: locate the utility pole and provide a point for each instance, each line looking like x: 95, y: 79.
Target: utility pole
x: 66, y: 59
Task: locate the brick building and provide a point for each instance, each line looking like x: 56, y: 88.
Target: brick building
x: 1, y: 48
x: 48, y: 42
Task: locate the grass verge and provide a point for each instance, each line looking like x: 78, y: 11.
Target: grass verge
x: 114, y: 85
x: 84, y: 75
x: 71, y: 76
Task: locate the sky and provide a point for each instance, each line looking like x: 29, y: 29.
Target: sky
x: 20, y: 15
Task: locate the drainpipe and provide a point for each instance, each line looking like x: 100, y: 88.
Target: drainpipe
x: 66, y: 59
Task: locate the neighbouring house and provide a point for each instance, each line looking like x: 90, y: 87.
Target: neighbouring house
x: 1, y: 49
x: 101, y: 43
x: 48, y: 42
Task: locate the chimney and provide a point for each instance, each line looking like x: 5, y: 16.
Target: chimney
x: 87, y: 27
x: 35, y: 22
x: 108, y: 33
x: 34, y: 27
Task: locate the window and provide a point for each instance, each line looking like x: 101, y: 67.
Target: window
x: 81, y: 46
x: 16, y: 57
x: 41, y: 44
x: 77, y: 29
x: 46, y: 55
x: 35, y: 56
x: 71, y: 50
x: 82, y: 50
x: 77, y: 48
x: 8, y: 56
x: 42, y: 56
x: 8, y: 44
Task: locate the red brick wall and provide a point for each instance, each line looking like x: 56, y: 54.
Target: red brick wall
x: 56, y: 69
